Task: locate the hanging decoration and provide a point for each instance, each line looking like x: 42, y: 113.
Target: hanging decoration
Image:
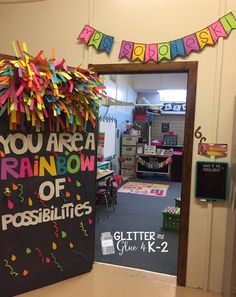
x: 181, y: 47
x: 46, y: 94
x: 157, y: 52
x: 97, y: 39
x: 154, y: 164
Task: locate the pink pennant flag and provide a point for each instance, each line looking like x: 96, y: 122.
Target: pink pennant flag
x: 86, y: 33
x: 217, y: 30
x: 191, y: 43
x: 126, y: 49
x: 151, y: 52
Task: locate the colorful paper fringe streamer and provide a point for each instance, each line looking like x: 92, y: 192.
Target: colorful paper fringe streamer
x: 46, y: 94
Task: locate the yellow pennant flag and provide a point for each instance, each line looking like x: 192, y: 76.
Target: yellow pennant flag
x: 204, y: 38
x: 138, y: 52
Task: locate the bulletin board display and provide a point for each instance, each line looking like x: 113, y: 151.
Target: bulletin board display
x: 46, y: 207
x: 165, y: 127
x: 211, y: 180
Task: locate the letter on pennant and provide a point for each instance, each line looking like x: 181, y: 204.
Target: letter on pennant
x: 106, y: 43
x: 126, y: 49
x: 163, y: 51
x: 228, y: 22
x: 177, y: 48
x: 86, y: 33
x: 96, y: 39
x: 191, y: 44
x: 151, y: 52
x: 138, y: 52
x: 204, y: 38
x: 217, y: 30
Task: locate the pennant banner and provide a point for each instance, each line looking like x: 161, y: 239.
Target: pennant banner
x: 154, y: 164
x: 195, y: 42
x: 173, y: 107
x: 99, y: 40
x: 157, y: 52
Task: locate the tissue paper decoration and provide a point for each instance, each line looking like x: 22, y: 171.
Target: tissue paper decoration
x: 47, y: 94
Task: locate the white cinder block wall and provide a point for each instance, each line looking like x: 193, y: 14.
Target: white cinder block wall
x: 176, y: 125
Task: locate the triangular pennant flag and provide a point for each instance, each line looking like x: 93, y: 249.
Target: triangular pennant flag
x: 163, y: 51
x: 126, y: 49
x: 86, y: 33
x: 204, y: 38
x: 138, y: 52
x: 228, y: 22
x: 95, y: 40
x: 217, y: 30
x: 191, y: 43
x: 106, y: 43
x: 177, y: 48
x: 151, y: 52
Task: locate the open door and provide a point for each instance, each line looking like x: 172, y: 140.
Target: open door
x: 171, y: 67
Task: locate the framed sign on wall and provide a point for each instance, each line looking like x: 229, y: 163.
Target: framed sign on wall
x: 165, y: 127
x: 211, y: 180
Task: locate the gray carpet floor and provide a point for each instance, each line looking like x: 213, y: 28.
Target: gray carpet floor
x: 140, y: 213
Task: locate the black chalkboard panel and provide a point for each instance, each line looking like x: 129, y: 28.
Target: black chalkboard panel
x: 47, y: 215
x: 211, y: 180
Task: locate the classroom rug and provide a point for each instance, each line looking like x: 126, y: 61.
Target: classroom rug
x: 156, y: 190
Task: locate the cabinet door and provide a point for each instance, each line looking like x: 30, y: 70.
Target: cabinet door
x: 129, y: 140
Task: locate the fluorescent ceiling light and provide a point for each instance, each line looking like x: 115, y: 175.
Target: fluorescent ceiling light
x: 178, y: 95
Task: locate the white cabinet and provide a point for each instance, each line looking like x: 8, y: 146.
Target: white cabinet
x: 128, y: 152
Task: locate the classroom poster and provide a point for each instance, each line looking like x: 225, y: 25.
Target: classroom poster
x: 217, y: 150
x: 46, y: 207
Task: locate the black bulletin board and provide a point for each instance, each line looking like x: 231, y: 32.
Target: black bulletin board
x: 47, y: 221
x: 165, y: 127
x: 211, y: 180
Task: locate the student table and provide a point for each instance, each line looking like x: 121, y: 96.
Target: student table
x: 102, y: 174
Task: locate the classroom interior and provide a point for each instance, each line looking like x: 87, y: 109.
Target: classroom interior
x: 141, y: 139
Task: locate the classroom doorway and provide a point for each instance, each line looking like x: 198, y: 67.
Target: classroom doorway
x: 190, y: 68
